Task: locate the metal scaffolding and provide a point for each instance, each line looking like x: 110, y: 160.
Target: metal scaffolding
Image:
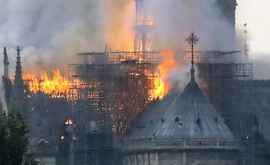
x: 117, y: 83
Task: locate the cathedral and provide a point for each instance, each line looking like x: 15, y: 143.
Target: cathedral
x: 221, y: 117
x: 184, y: 129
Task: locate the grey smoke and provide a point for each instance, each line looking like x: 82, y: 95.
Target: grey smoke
x: 51, y: 32
x: 176, y: 19
x: 53, y: 29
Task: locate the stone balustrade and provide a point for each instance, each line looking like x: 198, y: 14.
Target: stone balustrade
x: 134, y: 145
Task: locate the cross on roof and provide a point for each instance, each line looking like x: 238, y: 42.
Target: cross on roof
x: 192, y: 40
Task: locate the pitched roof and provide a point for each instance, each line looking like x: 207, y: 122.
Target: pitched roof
x: 187, y: 115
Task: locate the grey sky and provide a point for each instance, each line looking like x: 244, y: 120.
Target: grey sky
x: 257, y: 14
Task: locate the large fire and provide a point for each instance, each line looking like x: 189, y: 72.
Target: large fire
x: 159, y: 89
x: 54, y: 84
x: 161, y: 81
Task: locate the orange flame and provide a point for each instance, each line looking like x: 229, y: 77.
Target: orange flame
x: 54, y: 85
x: 161, y: 83
x: 159, y: 89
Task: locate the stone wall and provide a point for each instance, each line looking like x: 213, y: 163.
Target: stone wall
x: 183, y: 158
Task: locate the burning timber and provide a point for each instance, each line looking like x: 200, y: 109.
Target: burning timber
x: 117, y: 109
x: 118, y: 83
x: 125, y: 83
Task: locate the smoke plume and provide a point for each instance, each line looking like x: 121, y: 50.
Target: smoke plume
x: 52, y: 32
x: 176, y: 19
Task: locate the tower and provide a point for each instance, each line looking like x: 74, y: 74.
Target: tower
x: 246, y: 46
x: 5, y: 78
x: 18, y: 84
x: 143, y: 28
x: 6, y: 64
x: 18, y: 72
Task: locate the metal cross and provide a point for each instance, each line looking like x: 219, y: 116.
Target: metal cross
x: 192, y: 40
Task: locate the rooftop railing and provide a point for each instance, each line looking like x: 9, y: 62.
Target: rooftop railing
x: 166, y: 143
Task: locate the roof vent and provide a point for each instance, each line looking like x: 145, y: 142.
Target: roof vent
x: 177, y: 119
x: 162, y: 120
x: 198, y: 121
x: 216, y: 119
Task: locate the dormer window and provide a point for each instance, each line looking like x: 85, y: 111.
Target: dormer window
x: 162, y: 120
x: 177, y: 119
x: 198, y: 121
x: 216, y: 119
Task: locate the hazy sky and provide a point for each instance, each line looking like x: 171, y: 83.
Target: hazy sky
x: 257, y: 14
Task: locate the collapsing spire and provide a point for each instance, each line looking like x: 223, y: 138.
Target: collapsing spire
x: 192, y: 40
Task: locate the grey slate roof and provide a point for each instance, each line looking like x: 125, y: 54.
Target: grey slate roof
x: 187, y: 115
x: 149, y: 119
